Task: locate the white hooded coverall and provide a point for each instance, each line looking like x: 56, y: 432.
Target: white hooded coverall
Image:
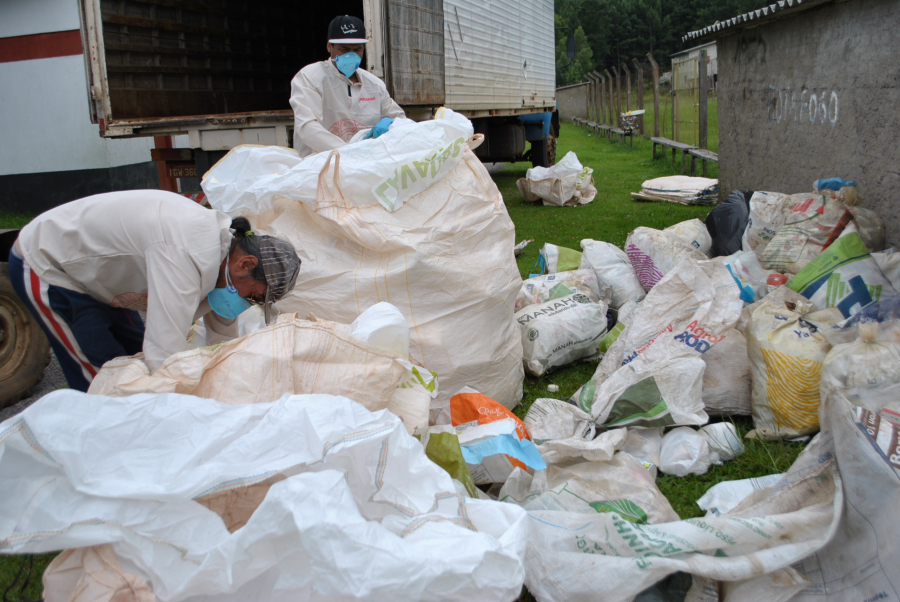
x: 329, y: 108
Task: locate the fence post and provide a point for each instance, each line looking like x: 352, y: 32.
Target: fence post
x: 611, y: 104
x: 592, y: 101
x: 627, y: 73
x: 601, y: 114
x: 640, y: 93
x: 655, y: 75
x: 618, y: 94
x: 702, y: 84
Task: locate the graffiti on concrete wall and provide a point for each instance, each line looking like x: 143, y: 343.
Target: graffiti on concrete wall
x: 803, y: 105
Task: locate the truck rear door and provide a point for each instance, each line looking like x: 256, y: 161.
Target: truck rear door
x: 414, y: 55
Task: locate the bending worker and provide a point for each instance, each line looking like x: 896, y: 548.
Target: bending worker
x: 334, y: 99
x: 85, y: 268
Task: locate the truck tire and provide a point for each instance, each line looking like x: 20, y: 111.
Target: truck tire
x: 24, y: 349
x: 543, y: 152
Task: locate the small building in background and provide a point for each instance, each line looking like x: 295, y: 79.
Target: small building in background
x: 693, y: 54
x: 807, y: 91
x: 572, y: 101
x: 50, y: 152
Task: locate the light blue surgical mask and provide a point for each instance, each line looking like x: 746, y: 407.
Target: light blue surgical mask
x: 348, y: 63
x: 226, y: 301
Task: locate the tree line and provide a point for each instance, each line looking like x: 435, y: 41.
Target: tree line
x: 610, y: 32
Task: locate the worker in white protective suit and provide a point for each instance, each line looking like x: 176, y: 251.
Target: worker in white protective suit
x: 85, y: 268
x: 334, y: 99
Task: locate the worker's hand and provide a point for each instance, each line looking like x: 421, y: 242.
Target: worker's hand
x: 380, y: 127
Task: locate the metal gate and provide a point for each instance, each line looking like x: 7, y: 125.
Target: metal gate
x: 415, y: 51
x: 686, y: 101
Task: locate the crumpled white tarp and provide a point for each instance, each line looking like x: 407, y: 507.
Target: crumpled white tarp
x: 347, y: 506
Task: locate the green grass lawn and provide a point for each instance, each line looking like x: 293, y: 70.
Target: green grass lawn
x: 12, y: 221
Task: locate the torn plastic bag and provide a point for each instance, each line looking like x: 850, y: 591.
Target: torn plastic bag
x: 612, y: 266
x: 871, y: 227
x: 727, y: 221
x: 553, y: 286
x: 564, y: 433
x: 421, y: 259
x: 684, y: 451
x: 566, y: 183
x: 723, y: 497
x: 195, y: 495
x: 389, y: 170
x: 620, y: 486
x: 654, y: 253
x: 694, y: 233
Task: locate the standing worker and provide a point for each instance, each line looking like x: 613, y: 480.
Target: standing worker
x: 334, y: 99
x: 84, y: 268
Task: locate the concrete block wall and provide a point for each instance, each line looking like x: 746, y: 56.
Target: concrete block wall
x: 572, y: 101
x: 815, y: 94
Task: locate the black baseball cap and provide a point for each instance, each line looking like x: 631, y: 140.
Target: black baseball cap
x: 347, y: 30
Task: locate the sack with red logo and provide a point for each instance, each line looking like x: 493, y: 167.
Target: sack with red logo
x: 815, y: 222
x: 653, y: 374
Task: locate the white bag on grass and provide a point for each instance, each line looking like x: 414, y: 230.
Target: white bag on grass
x: 684, y: 451
x: 654, y: 253
x: 724, y: 443
x: 389, y: 170
x: 205, y: 501
x: 612, y: 266
x: 694, y: 233
x: 422, y: 259
x: 566, y: 183
x: 561, y: 331
x: 540, y: 289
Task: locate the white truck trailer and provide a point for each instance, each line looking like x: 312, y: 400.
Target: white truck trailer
x: 220, y: 70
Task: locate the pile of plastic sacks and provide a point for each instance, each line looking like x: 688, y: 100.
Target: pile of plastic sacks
x: 318, y: 458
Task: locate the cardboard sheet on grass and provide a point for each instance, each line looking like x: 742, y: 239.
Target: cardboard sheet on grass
x: 444, y: 259
x: 311, y: 497
x: 788, y: 541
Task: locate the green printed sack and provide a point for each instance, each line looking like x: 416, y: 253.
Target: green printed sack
x: 555, y: 259
x: 845, y: 276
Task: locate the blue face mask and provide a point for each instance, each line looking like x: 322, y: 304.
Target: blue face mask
x: 348, y: 63
x: 226, y: 301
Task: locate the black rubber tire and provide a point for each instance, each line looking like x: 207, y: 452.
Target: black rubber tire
x: 24, y: 349
x: 543, y: 152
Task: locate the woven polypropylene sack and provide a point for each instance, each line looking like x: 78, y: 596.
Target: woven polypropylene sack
x: 444, y: 260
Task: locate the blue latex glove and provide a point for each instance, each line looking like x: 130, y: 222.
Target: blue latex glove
x: 380, y: 127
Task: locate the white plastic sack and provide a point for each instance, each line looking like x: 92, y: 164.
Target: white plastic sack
x: 786, y: 350
x: 206, y: 501
x: 867, y: 368
x: 724, y: 442
x: 870, y: 225
x: 686, y: 190
x: 889, y: 264
x: 768, y: 210
x: 541, y: 289
x: 654, y: 253
x: 814, y: 223
x: 561, y: 331
x: 620, y: 485
x: 655, y: 367
x: 564, y: 433
x: 457, y: 291
x: 612, y: 266
x: 643, y: 445
x: 723, y: 497
x: 748, y: 274
x: 683, y: 452
x: 388, y: 170
x: 726, y: 380
x: 694, y: 233
x: 566, y: 183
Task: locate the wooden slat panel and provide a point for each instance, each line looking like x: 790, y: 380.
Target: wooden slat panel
x: 416, y: 42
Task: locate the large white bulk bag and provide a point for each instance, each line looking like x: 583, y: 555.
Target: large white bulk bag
x: 612, y: 266
x: 444, y: 259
